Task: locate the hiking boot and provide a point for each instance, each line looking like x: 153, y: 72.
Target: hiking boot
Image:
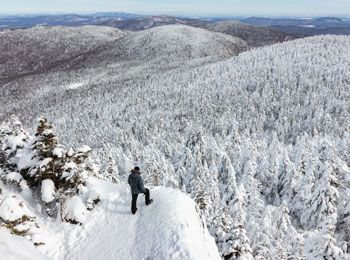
x: 150, y: 201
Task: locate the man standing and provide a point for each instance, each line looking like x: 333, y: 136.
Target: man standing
x: 136, y: 183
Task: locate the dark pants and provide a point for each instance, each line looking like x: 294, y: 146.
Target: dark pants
x: 134, y: 200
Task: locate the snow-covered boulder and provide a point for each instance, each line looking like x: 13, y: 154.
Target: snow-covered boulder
x: 47, y: 190
x: 13, y: 209
x: 74, y: 210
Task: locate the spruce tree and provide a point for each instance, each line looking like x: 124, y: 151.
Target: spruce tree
x: 13, y: 138
x: 322, y: 205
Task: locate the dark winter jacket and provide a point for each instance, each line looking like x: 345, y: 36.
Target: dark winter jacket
x: 136, y: 183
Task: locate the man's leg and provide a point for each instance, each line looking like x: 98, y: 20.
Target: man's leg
x: 147, y: 197
x: 133, y: 203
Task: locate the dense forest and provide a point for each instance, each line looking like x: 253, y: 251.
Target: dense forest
x: 260, y: 142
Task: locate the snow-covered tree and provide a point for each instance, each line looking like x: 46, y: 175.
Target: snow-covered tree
x: 13, y: 138
x: 322, y: 205
x: 50, y: 170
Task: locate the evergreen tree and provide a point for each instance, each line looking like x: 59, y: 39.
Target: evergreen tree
x: 45, y: 159
x: 286, y: 179
x: 48, y: 154
x: 112, y: 170
x: 304, y: 186
x: 227, y: 179
x: 13, y: 138
x: 223, y: 234
x: 254, y: 208
x: 240, y: 241
x: 213, y: 208
x: 322, y: 244
x: 322, y: 205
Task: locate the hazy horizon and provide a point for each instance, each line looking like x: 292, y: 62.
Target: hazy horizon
x: 176, y: 14
x: 291, y: 8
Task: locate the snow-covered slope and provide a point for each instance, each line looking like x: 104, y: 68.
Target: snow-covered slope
x: 259, y: 140
x: 135, y: 56
x: 264, y: 125
x: 170, y: 228
x: 24, y: 52
x: 17, y: 248
x: 166, y: 46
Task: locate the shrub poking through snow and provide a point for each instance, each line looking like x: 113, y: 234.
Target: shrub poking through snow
x: 92, y: 200
x: 15, y: 215
x: 13, y: 178
x: 54, y: 173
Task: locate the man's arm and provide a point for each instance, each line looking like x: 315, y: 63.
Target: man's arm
x: 129, y: 180
x: 142, y: 188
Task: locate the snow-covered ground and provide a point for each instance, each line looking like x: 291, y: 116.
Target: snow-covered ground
x: 170, y: 228
x: 10, y: 245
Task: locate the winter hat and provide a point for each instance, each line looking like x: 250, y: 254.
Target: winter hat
x: 136, y: 169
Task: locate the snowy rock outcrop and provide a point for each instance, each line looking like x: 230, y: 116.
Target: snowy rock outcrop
x: 169, y: 228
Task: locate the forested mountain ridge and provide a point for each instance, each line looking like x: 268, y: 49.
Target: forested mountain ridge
x: 166, y: 45
x: 143, y: 23
x: 255, y: 36
x: 119, y: 55
x: 28, y: 51
x: 259, y: 141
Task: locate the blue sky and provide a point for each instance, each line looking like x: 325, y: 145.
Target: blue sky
x: 189, y: 7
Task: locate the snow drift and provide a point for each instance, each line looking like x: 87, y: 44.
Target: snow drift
x: 170, y: 228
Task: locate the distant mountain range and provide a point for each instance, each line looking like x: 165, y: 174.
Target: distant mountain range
x: 135, y: 22
x: 305, y: 26
x: 320, y: 23
x: 142, y: 23
x: 290, y: 29
x: 27, y: 21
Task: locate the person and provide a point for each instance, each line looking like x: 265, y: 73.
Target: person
x: 136, y: 184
